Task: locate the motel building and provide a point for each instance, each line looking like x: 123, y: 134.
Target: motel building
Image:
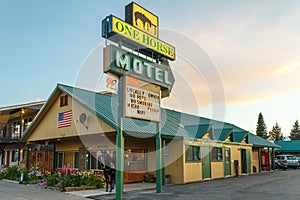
x: 14, y: 120
x: 77, y: 128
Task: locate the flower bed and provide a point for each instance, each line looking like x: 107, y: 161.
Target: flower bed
x: 61, y: 180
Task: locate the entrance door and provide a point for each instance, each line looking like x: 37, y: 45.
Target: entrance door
x: 227, y: 162
x: 206, y: 171
x: 246, y: 161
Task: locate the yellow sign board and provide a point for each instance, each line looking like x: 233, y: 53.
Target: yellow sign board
x: 122, y: 28
x: 142, y: 19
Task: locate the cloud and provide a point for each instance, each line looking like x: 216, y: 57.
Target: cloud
x: 287, y: 68
x: 247, y: 48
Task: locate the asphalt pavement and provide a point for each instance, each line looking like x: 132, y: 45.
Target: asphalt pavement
x: 275, y: 185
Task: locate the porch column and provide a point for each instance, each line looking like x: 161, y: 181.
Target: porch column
x: 259, y: 160
x: 273, y: 159
x: 158, y: 161
x: 27, y: 156
x: 119, y: 162
x: 163, y: 162
x: 120, y: 144
x: 269, y: 163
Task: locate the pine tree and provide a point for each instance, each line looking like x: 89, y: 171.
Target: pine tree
x: 276, y: 132
x: 261, y: 128
x: 295, y: 132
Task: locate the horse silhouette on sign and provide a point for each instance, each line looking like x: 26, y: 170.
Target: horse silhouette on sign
x: 145, y: 20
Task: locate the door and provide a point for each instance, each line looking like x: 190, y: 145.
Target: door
x: 246, y: 161
x: 206, y: 171
x: 227, y: 162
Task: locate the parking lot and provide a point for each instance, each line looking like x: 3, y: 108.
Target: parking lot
x: 267, y: 185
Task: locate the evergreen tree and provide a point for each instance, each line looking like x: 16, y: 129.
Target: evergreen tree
x: 276, y: 132
x: 295, y: 132
x: 261, y: 128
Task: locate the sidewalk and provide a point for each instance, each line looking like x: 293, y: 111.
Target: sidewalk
x: 133, y: 187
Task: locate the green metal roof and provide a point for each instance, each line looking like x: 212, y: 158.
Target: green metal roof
x: 260, y: 142
x: 197, y: 131
x: 238, y: 136
x: 288, y: 146
x: 173, y: 123
x: 222, y: 134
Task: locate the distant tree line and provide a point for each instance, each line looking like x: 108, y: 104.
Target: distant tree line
x: 261, y: 129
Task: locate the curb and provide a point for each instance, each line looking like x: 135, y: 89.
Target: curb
x: 10, y: 181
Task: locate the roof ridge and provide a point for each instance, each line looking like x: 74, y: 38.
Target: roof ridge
x: 23, y: 104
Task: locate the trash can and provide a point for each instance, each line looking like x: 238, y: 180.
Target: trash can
x: 236, y: 167
x: 167, y: 179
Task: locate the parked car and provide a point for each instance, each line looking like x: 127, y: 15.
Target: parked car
x: 298, y: 161
x: 288, y: 160
x: 278, y: 165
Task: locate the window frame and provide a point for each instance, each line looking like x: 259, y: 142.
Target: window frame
x: 63, y: 100
x: 217, y: 154
x: 196, y: 154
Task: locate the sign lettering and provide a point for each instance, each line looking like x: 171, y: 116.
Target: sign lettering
x: 142, y: 100
x: 120, y: 61
x: 113, y: 25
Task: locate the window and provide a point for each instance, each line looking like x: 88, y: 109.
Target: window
x: 76, y: 160
x: 68, y: 159
x: 217, y: 154
x: 106, y: 157
x: 94, y: 160
x: 63, y: 100
x: 135, y: 160
x: 14, y: 156
x: 60, y: 160
x: 192, y: 153
x: 16, y: 130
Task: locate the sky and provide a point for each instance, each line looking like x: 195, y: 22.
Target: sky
x: 246, y: 54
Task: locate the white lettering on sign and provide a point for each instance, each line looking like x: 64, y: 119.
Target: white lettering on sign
x: 160, y: 74
x: 123, y: 61
x: 142, y: 104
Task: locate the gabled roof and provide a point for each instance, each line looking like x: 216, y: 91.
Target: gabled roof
x: 222, y: 134
x: 260, y: 142
x: 238, y: 136
x: 197, y: 131
x: 173, y: 123
x: 288, y: 146
x: 32, y: 105
x: 15, y: 111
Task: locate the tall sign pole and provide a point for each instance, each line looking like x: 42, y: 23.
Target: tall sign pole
x: 142, y: 82
x: 120, y: 144
x: 158, y: 160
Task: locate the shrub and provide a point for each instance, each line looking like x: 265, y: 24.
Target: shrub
x: 12, y: 173
x: 64, y: 180
x: 52, y: 180
x: 90, y: 179
x: 1, y: 175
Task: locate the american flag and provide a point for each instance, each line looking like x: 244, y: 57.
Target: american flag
x: 64, y: 119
